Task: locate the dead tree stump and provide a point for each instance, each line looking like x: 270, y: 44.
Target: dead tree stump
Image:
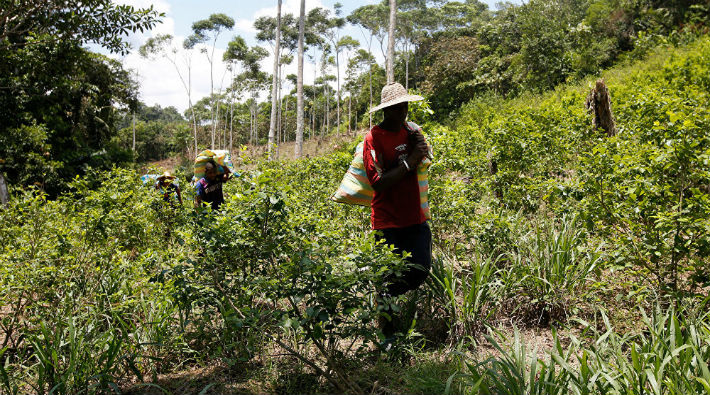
x: 598, y: 103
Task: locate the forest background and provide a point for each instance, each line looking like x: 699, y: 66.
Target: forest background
x: 449, y: 51
x: 596, y: 239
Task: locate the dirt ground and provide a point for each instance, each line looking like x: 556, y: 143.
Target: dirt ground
x: 259, y: 377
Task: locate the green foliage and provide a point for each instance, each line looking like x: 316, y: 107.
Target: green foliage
x: 70, y: 94
x: 533, y: 46
x: 93, y: 21
x: 75, y: 285
x: 536, y: 219
x: 51, y: 83
x: 155, y: 140
x: 647, y: 187
x: 26, y: 156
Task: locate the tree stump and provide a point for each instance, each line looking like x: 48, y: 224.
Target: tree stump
x: 598, y: 103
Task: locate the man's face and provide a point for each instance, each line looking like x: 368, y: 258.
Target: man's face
x: 210, y: 173
x: 397, y: 112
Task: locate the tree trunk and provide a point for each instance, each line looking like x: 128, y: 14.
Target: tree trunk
x: 337, y: 68
x: 4, y: 195
x: 284, y: 120
x: 231, y: 110
x: 313, y: 115
x: 279, y: 124
x: 256, y: 122
x: 327, y: 107
x: 274, y: 82
x: 298, y: 147
x: 134, y: 132
x: 194, y: 126
x: 406, y: 70
x: 189, y: 102
x: 278, y: 134
x: 390, y: 44
x: 251, y: 124
x: 315, y: 75
x: 214, y: 123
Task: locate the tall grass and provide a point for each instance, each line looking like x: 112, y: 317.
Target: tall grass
x: 552, y: 266
x: 468, y: 294
x: 669, y: 355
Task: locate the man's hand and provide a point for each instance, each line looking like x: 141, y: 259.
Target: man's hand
x: 420, y: 150
x: 227, y: 174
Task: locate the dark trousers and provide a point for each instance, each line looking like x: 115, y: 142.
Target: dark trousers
x: 416, y: 240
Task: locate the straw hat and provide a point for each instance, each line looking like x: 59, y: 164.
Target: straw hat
x: 165, y: 175
x: 394, y: 93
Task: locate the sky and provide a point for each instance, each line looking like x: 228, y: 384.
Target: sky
x: 159, y: 80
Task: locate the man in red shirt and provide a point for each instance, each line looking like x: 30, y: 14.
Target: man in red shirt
x: 391, y: 154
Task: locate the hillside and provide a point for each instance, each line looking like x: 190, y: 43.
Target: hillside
x: 565, y: 261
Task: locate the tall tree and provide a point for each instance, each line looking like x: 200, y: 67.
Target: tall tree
x: 332, y: 33
x: 284, y: 43
x: 237, y: 51
x: 254, y: 80
x: 4, y: 195
x: 274, y: 84
x: 204, y: 30
x: 298, y: 147
x: 361, y: 62
x: 371, y: 18
x: 415, y: 20
x: 326, y: 62
x: 316, y: 26
x: 346, y: 43
x: 390, y: 44
x: 162, y: 45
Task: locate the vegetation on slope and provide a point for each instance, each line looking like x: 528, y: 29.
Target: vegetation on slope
x: 539, y: 222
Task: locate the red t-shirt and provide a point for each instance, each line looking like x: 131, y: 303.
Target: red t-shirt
x: 399, y: 205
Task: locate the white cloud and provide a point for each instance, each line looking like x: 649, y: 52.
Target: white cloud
x: 244, y: 26
x: 161, y: 84
x: 159, y: 5
x: 290, y: 7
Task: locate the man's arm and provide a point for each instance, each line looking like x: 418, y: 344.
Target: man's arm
x: 179, y: 195
x: 198, y: 198
x: 393, y: 176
